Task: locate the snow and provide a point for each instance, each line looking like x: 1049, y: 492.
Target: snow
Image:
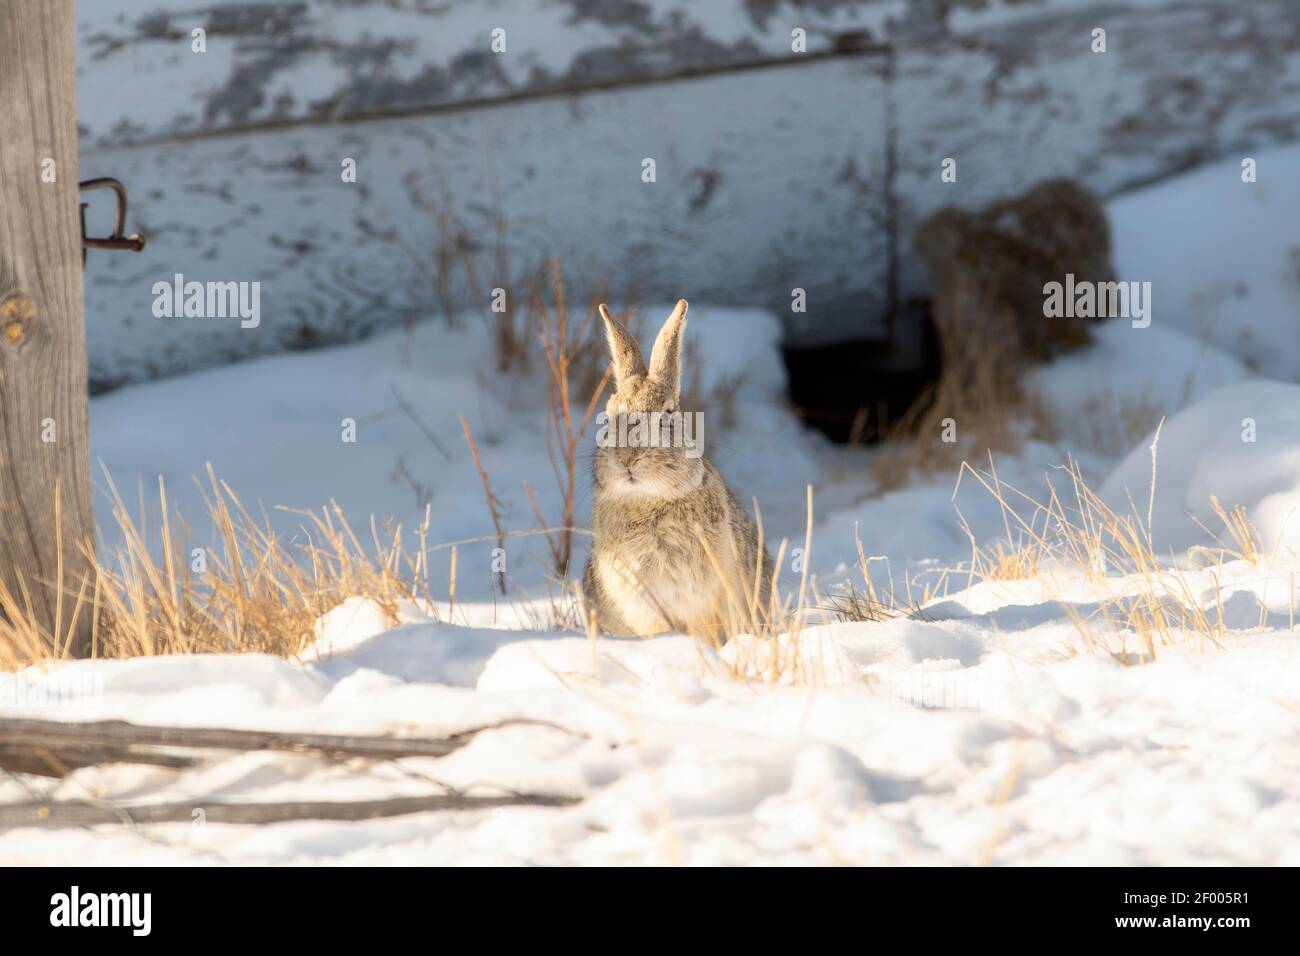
x: 1104, y: 399
x: 1225, y: 268
x: 951, y: 745
x: 290, y: 409
x: 1241, y: 444
x: 1006, y: 722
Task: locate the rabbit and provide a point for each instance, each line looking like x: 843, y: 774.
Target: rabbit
x: 672, y: 548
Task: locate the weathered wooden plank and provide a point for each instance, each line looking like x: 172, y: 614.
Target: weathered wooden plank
x: 83, y: 813
x: 55, y: 733
x: 287, y: 61
x: 764, y: 181
x: 41, y: 761
x: 50, y: 746
x: 44, y: 435
x: 768, y: 179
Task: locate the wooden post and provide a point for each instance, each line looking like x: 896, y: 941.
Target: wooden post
x: 44, y: 431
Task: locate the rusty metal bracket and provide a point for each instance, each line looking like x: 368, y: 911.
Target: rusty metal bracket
x: 117, y: 240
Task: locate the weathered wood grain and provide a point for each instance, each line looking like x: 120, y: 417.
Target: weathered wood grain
x: 282, y: 62
x: 83, y: 813
x: 51, y: 747
x: 769, y: 178
x: 42, y: 761
x: 42, y: 349
x: 766, y: 180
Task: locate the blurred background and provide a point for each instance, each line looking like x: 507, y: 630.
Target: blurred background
x: 795, y: 145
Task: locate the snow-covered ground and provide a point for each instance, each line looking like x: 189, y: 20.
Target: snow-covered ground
x: 1003, y: 723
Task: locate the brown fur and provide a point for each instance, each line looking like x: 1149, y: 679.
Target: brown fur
x: 673, y: 550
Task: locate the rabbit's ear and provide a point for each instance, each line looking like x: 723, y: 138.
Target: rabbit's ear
x: 666, y: 356
x: 623, y: 349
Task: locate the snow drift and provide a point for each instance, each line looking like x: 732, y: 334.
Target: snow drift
x: 1240, y: 444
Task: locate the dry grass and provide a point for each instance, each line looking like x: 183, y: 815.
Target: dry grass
x: 250, y: 591
x: 720, y: 398
x: 874, y: 601
x: 977, y: 400
x: 452, y: 273
x: 1110, y: 425
x: 493, y: 502
x: 571, y: 345
x: 463, y: 271
x: 567, y: 348
x: 1245, y: 545
x: 1138, y: 601
x: 1145, y: 601
x: 764, y: 637
x: 253, y: 590
x: 767, y: 642
x: 257, y: 591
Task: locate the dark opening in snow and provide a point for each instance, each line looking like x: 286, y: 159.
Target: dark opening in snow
x: 855, y: 391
